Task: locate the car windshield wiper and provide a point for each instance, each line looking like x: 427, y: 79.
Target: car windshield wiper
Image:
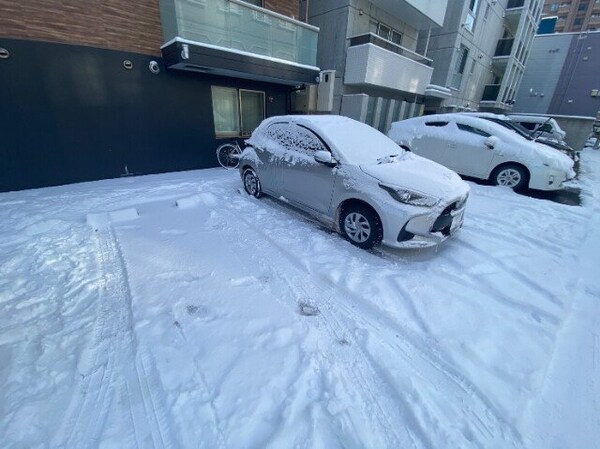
x: 540, y: 129
x: 388, y: 159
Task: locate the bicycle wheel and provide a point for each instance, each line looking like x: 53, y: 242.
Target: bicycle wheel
x: 228, y: 155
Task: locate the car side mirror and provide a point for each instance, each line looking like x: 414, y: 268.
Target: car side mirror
x: 492, y: 142
x: 325, y: 158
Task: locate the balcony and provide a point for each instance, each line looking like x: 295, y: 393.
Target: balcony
x: 238, y: 39
x: 377, y: 62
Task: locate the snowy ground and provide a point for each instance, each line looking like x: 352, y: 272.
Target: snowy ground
x: 172, y: 311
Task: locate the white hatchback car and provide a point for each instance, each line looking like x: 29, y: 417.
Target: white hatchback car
x: 476, y: 147
x: 354, y: 179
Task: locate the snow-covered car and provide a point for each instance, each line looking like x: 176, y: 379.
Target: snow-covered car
x: 479, y: 148
x: 540, y: 125
x: 354, y: 179
x: 507, y: 122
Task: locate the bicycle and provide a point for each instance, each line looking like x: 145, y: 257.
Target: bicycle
x: 228, y: 155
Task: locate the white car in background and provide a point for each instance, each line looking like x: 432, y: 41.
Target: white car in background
x: 354, y: 179
x: 479, y: 148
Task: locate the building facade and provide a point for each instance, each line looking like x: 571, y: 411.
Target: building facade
x: 561, y: 77
x: 95, y: 90
x: 573, y: 15
x: 479, y: 53
x: 380, y: 76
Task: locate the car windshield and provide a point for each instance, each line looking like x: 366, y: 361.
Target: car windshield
x: 360, y: 144
x: 513, y: 126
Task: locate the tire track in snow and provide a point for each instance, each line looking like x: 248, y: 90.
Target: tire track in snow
x: 493, y: 429
x: 112, y: 350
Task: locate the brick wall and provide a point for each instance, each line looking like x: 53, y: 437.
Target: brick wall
x: 127, y: 25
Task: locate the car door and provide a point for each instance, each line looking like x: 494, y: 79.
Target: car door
x: 432, y: 139
x: 271, y: 155
x: 307, y: 182
x: 469, y: 154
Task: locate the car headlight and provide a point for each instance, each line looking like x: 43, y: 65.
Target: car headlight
x: 411, y: 197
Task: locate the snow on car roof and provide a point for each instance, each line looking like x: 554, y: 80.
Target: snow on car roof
x: 357, y: 142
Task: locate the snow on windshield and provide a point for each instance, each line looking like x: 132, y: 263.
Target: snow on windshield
x: 359, y: 143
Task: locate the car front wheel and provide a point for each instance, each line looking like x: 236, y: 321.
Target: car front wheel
x: 512, y: 176
x: 361, y: 226
x: 252, y: 183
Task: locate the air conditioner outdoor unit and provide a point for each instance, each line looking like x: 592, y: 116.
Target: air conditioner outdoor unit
x: 305, y: 100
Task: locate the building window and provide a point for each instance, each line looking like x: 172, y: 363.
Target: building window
x: 553, y: 7
x: 237, y: 112
x: 582, y: 7
x: 578, y: 21
x: 459, y: 68
x: 471, y: 15
x: 386, y: 32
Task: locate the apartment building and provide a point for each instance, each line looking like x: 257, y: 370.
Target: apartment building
x: 95, y: 90
x: 561, y: 77
x: 380, y: 76
x: 479, y: 53
x: 573, y: 15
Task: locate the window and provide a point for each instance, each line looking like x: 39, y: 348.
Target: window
x: 438, y: 124
x: 471, y: 15
x: 237, y: 112
x: 296, y: 138
x: 582, y: 7
x: 459, y: 68
x: 386, y: 32
x: 577, y: 21
x: 472, y: 129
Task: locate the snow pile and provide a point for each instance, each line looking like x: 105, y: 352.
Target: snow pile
x: 242, y: 324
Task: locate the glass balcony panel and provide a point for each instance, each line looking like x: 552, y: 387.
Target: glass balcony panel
x: 490, y: 92
x: 515, y: 4
x: 504, y: 47
x: 239, y: 27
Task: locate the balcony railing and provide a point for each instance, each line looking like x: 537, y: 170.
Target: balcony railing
x: 371, y: 38
x: 515, y: 4
x: 490, y: 92
x: 504, y: 47
x: 233, y: 25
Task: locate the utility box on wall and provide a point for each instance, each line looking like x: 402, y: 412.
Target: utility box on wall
x: 325, y: 91
x: 315, y: 97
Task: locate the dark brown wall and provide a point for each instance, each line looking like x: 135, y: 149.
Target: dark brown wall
x: 286, y: 7
x: 125, y: 25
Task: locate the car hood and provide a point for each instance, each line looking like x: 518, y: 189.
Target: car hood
x: 420, y: 174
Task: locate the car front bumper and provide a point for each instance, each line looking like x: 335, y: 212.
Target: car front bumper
x: 427, y: 227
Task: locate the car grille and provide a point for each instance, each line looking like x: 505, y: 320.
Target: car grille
x: 443, y: 223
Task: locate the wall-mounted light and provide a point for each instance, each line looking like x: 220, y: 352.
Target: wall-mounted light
x: 128, y: 64
x: 154, y: 67
x: 4, y: 53
x: 185, y: 52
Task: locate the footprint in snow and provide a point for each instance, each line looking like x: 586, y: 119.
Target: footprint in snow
x: 198, y: 311
x: 306, y: 309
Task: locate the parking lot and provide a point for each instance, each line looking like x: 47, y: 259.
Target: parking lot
x: 177, y: 311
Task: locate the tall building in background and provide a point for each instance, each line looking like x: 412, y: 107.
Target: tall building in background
x: 479, y: 53
x: 380, y: 75
x: 573, y: 15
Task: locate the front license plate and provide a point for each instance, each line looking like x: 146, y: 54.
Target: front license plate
x: 457, y: 222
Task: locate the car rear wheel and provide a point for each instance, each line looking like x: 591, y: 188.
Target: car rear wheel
x: 511, y: 175
x: 361, y: 226
x: 252, y: 183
